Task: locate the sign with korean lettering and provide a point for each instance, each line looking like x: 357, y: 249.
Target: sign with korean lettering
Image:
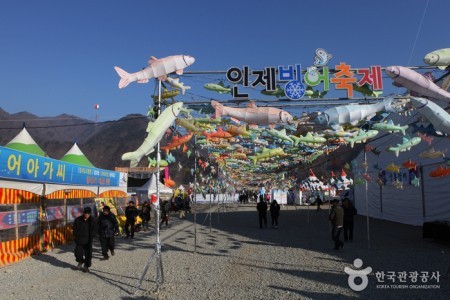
x: 363, y: 80
x: 24, y: 166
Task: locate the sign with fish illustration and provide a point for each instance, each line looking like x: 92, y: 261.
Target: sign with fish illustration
x: 322, y: 57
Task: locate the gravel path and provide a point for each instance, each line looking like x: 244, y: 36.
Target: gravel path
x: 237, y: 260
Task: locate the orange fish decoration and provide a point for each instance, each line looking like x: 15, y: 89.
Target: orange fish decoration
x: 440, y: 172
x: 177, y: 142
x: 410, y: 164
x: 169, y: 182
x: 220, y: 133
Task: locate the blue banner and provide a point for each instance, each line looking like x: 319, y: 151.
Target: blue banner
x: 24, y: 166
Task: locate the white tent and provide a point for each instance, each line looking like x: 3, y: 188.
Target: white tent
x: 150, y: 188
x: 405, y: 203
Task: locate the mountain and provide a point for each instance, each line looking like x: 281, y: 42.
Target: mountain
x: 102, y: 143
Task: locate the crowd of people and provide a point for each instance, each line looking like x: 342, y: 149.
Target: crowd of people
x: 341, y: 218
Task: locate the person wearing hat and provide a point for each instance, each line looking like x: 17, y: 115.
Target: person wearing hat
x: 83, y: 233
x: 107, y: 228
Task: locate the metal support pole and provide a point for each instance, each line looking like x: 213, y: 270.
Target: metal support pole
x: 367, y: 200
x: 195, y: 194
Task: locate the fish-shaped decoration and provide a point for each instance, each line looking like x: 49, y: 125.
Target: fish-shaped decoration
x: 415, y: 181
x: 252, y: 114
x: 352, y: 114
x: 157, y: 68
x: 366, y: 91
x: 170, y: 158
x: 405, y: 145
x: 169, y: 182
x: 156, y: 131
x: 322, y: 57
x: 309, y: 139
x: 166, y: 94
x: 362, y: 137
x: 390, y: 127
x: 220, y: 88
x: 393, y: 168
x: 425, y: 138
x: 398, y: 184
x: 409, y: 164
x: 440, y: 172
x: 153, y: 162
x: 188, y: 124
x: 265, y: 154
x: 175, y: 83
x: 439, y: 58
x: 431, y: 153
x: 220, y: 133
x: 434, y: 114
x: 416, y: 82
x: 177, y: 142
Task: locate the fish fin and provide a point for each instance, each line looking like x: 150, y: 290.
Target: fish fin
x: 142, y: 81
x: 221, y: 83
x: 252, y: 104
x: 236, y: 120
x: 152, y: 60
x: 218, y: 109
x: 124, y: 77
x: 442, y: 67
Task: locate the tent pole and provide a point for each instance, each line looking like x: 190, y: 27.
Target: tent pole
x: 159, y: 269
x: 367, y: 199
x: 422, y: 188
x: 195, y: 194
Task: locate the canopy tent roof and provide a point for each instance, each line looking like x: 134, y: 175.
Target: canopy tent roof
x: 25, y: 143
x: 150, y: 187
x: 76, y: 156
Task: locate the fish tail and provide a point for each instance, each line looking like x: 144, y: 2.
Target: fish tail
x: 124, y: 77
x: 218, y: 109
x: 387, y: 102
x: 184, y: 88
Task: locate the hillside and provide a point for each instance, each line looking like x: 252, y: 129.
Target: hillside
x: 102, y: 143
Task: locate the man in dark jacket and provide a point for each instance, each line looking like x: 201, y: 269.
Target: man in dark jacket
x: 131, y: 213
x: 83, y: 232
x: 262, y: 212
x: 337, y: 221
x: 349, y: 212
x: 274, y: 213
x: 107, y: 228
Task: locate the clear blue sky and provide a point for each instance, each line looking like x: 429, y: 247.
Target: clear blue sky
x: 58, y: 56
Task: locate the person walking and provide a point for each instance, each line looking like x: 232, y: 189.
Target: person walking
x: 164, y: 212
x: 83, y: 232
x: 145, y: 215
x: 262, y: 212
x: 318, y: 203
x: 274, y: 213
x: 337, y: 220
x: 107, y: 228
x: 349, y: 212
x: 131, y: 213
